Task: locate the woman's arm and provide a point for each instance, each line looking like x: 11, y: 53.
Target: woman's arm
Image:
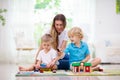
x: 60, y: 56
x: 63, y: 46
x: 40, y: 48
x: 87, y: 58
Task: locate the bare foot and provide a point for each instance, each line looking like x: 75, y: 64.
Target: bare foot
x: 95, y: 68
x: 22, y: 68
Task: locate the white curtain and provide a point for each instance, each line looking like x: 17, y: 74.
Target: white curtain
x: 19, y: 18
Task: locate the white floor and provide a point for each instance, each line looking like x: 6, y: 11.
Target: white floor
x: 8, y: 71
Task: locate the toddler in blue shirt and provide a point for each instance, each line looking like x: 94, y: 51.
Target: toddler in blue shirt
x: 78, y: 50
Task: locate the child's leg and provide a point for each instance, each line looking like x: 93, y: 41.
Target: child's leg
x: 31, y: 68
x: 95, y: 62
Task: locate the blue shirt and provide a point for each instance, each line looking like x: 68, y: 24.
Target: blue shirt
x: 77, y: 53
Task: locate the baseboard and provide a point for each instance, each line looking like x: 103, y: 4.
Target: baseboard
x: 109, y: 63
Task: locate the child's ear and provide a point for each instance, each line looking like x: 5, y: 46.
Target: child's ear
x: 81, y: 36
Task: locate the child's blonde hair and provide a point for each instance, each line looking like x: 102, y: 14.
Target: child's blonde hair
x: 75, y: 31
x: 46, y: 38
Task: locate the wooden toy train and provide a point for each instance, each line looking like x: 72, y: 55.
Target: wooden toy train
x: 43, y: 68
x: 81, y: 67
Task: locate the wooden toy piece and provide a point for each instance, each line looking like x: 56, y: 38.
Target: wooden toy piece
x: 41, y: 71
x: 36, y: 70
x: 87, y: 67
x: 81, y: 66
x: 46, y: 69
x: 43, y: 68
x: 54, y: 71
x: 76, y: 66
x: 43, y: 65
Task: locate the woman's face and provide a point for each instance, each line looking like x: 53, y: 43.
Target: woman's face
x: 59, y: 26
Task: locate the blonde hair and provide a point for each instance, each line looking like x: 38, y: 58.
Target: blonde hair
x: 46, y: 38
x: 75, y: 31
x: 54, y: 32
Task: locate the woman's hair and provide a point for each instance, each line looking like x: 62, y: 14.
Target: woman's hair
x: 46, y: 38
x: 54, y: 32
x: 75, y: 31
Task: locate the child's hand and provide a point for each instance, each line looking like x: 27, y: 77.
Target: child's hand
x: 37, y: 66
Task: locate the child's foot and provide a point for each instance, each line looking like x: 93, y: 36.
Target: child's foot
x: 22, y: 69
x: 97, y: 69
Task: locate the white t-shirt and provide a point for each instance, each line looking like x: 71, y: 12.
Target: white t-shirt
x: 61, y: 37
x: 46, y: 58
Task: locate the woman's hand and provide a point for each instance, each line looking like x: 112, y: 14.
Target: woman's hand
x: 59, y: 51
x: 51, y: 64
x: 48, y: 66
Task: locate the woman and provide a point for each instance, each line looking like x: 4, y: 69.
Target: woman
x: 58, y: 33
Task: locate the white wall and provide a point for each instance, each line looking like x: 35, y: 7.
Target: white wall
x: 107, y: 31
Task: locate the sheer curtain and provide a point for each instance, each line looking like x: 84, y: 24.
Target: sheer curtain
x: 83, y: 16
x: 19, y: 19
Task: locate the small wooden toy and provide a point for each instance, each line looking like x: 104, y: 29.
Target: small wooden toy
x: 43, y: 68
x: 81, y: 67
x: 41, y: 71
x: 87, y: 67
x: 76, y: 66
x: 36, y: 70
x: 54, y: 71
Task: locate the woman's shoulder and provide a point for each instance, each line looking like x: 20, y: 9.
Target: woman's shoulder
x: 64, y: 35
x: 65, y: 31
